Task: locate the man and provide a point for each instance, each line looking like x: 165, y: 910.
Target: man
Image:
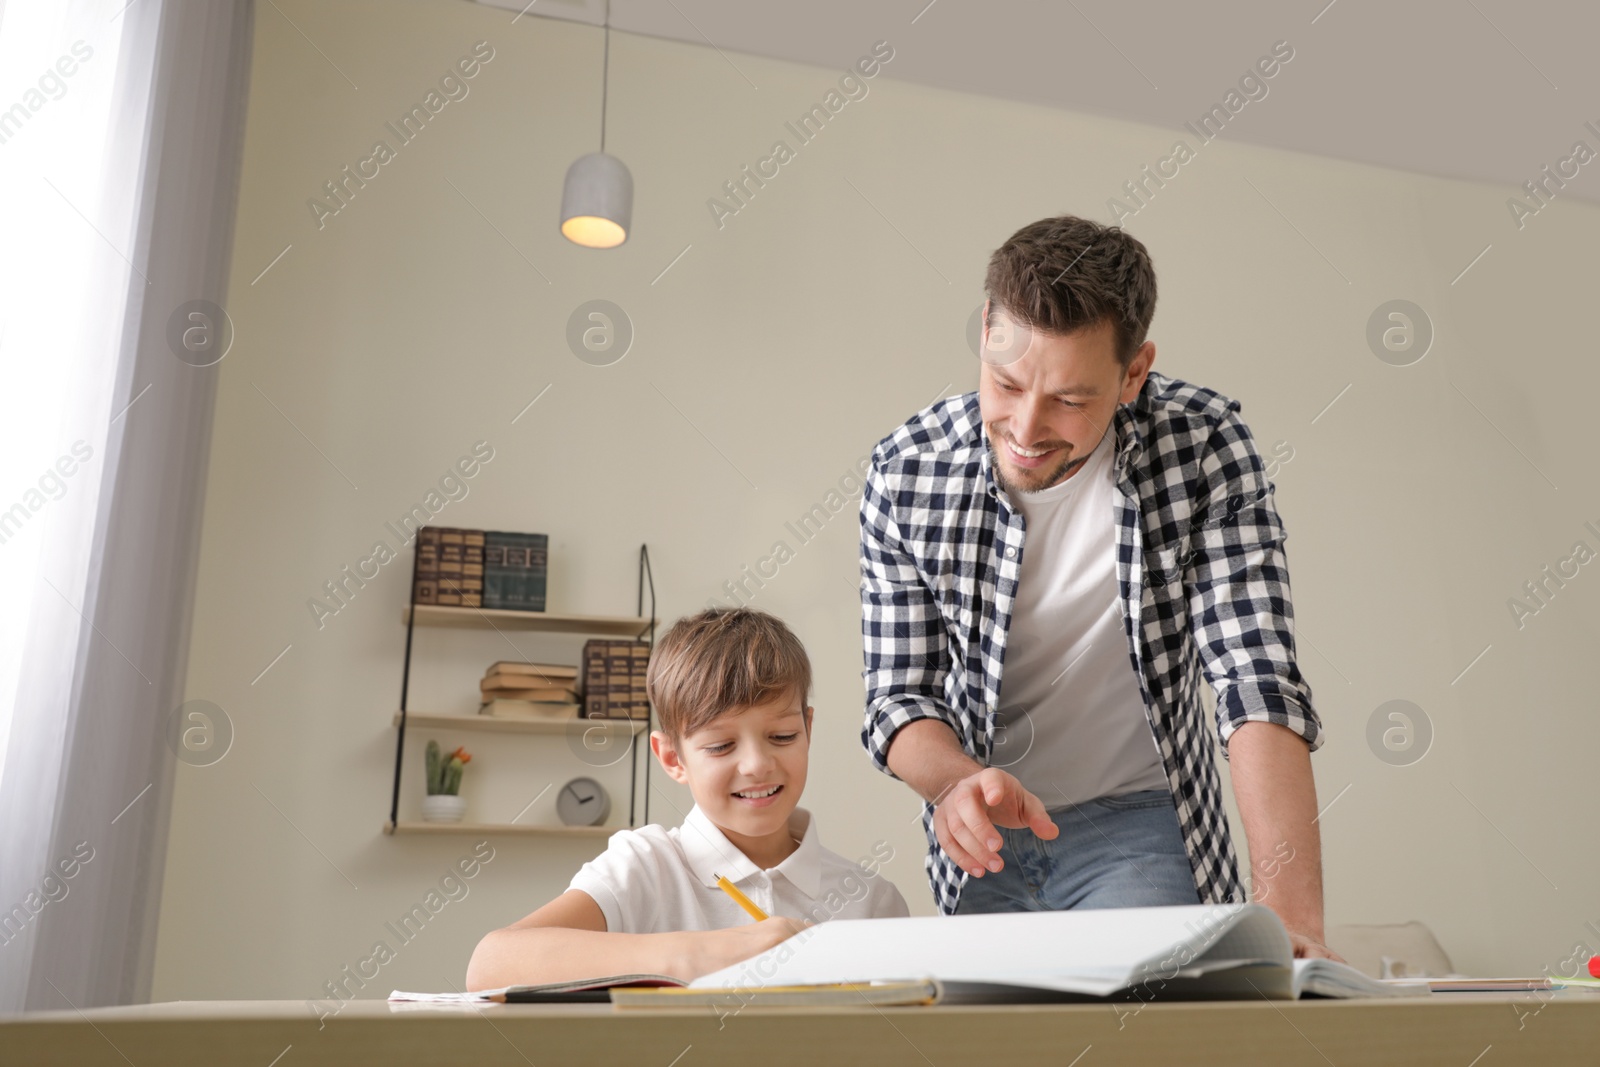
x: 1104, y: 534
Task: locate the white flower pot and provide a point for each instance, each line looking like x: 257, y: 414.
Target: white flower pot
x: 441, y: 807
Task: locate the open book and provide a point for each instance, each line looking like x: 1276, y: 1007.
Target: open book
x: 1180, y: 952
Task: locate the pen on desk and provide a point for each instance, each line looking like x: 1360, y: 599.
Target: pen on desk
x: 740, y: 899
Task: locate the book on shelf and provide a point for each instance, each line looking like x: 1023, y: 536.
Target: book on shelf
x: 614, y: 678
x: 543, y: 670
x: 528, y: 681
x: 561, y: 694
x: 449, y: 568
x: 552, y: 684
x: 515, y: 569
x: 501, y: 708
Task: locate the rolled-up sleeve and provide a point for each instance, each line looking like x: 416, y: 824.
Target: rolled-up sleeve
x: 1237, y: 586
x: 907, y: 649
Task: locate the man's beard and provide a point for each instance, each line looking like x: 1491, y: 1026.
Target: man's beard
x: 1068, y: 465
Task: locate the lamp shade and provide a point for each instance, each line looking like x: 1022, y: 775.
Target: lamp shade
x: 597, y: 201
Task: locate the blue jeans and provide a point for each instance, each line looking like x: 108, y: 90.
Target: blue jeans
x: 1113, y: 852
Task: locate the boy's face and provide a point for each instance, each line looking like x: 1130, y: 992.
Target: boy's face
x: 746, y: 768
x: 1048, y: 399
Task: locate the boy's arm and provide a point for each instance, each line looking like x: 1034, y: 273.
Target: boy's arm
x: 567, y: 940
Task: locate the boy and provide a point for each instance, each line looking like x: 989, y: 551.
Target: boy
x: 730, y: 688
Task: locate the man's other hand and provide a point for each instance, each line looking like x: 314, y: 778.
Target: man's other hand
x: 1308, y: 948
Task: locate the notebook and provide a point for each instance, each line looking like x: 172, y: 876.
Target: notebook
x: 1195, y: 951
x: 579, y: 990
x: 636, y: 990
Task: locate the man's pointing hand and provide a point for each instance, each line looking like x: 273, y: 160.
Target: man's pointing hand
x: 965, y: 818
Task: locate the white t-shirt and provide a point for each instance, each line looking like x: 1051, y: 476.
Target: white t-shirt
x: 1071, y: 725
x: 655, y: 880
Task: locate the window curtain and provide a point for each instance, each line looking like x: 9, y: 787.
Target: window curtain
x: 121, y: 130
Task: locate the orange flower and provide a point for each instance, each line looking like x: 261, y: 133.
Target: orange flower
x: 462, y: 754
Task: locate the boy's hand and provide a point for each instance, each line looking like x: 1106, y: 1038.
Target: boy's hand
x: 715, y: 949
x: 964, y: 820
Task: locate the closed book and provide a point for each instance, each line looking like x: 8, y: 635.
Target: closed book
x: 449, y: 567
x: 627, y: 711
x: 501, y: 708
x: 594, y: 678
x: 425, y: 581
x: 546, y: 670
x: 614, y: 678
x: 547, y: 693
x: 471, y: 578
x: 528, y: 682
x: 515, y: 570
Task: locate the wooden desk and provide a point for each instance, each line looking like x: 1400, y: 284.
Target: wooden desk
x: 1449, y: 1030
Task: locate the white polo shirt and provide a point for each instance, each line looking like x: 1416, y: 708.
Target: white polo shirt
x: 655, y: 880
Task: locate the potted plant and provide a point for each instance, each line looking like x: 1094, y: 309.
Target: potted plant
x: 443, y: 802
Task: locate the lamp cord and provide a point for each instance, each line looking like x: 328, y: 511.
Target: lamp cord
x: 605, y: 77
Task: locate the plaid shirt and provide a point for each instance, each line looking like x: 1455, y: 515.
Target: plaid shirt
x: 1201, y: 574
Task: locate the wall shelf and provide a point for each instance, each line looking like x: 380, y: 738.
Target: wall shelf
x: 418, y: 720
x: 640, y: 627
x: 489, y: 618
x: 497, y: 828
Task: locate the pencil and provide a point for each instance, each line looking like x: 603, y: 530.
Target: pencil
x: 740, y: 899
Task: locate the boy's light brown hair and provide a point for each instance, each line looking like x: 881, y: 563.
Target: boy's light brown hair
x: 721, y: 660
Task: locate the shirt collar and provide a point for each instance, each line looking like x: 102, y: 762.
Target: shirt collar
x: 1125, y: 423
x: 710, y: 853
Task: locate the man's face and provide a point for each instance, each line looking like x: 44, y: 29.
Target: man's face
x: 746, y: 768
x: 1044, y: 410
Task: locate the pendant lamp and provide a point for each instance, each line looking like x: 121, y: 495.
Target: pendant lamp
x: 597, y: 198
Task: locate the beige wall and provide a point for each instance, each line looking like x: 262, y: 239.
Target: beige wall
x: 767, y: 361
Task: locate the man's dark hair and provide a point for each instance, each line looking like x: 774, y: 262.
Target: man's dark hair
x: 1063, y: 274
